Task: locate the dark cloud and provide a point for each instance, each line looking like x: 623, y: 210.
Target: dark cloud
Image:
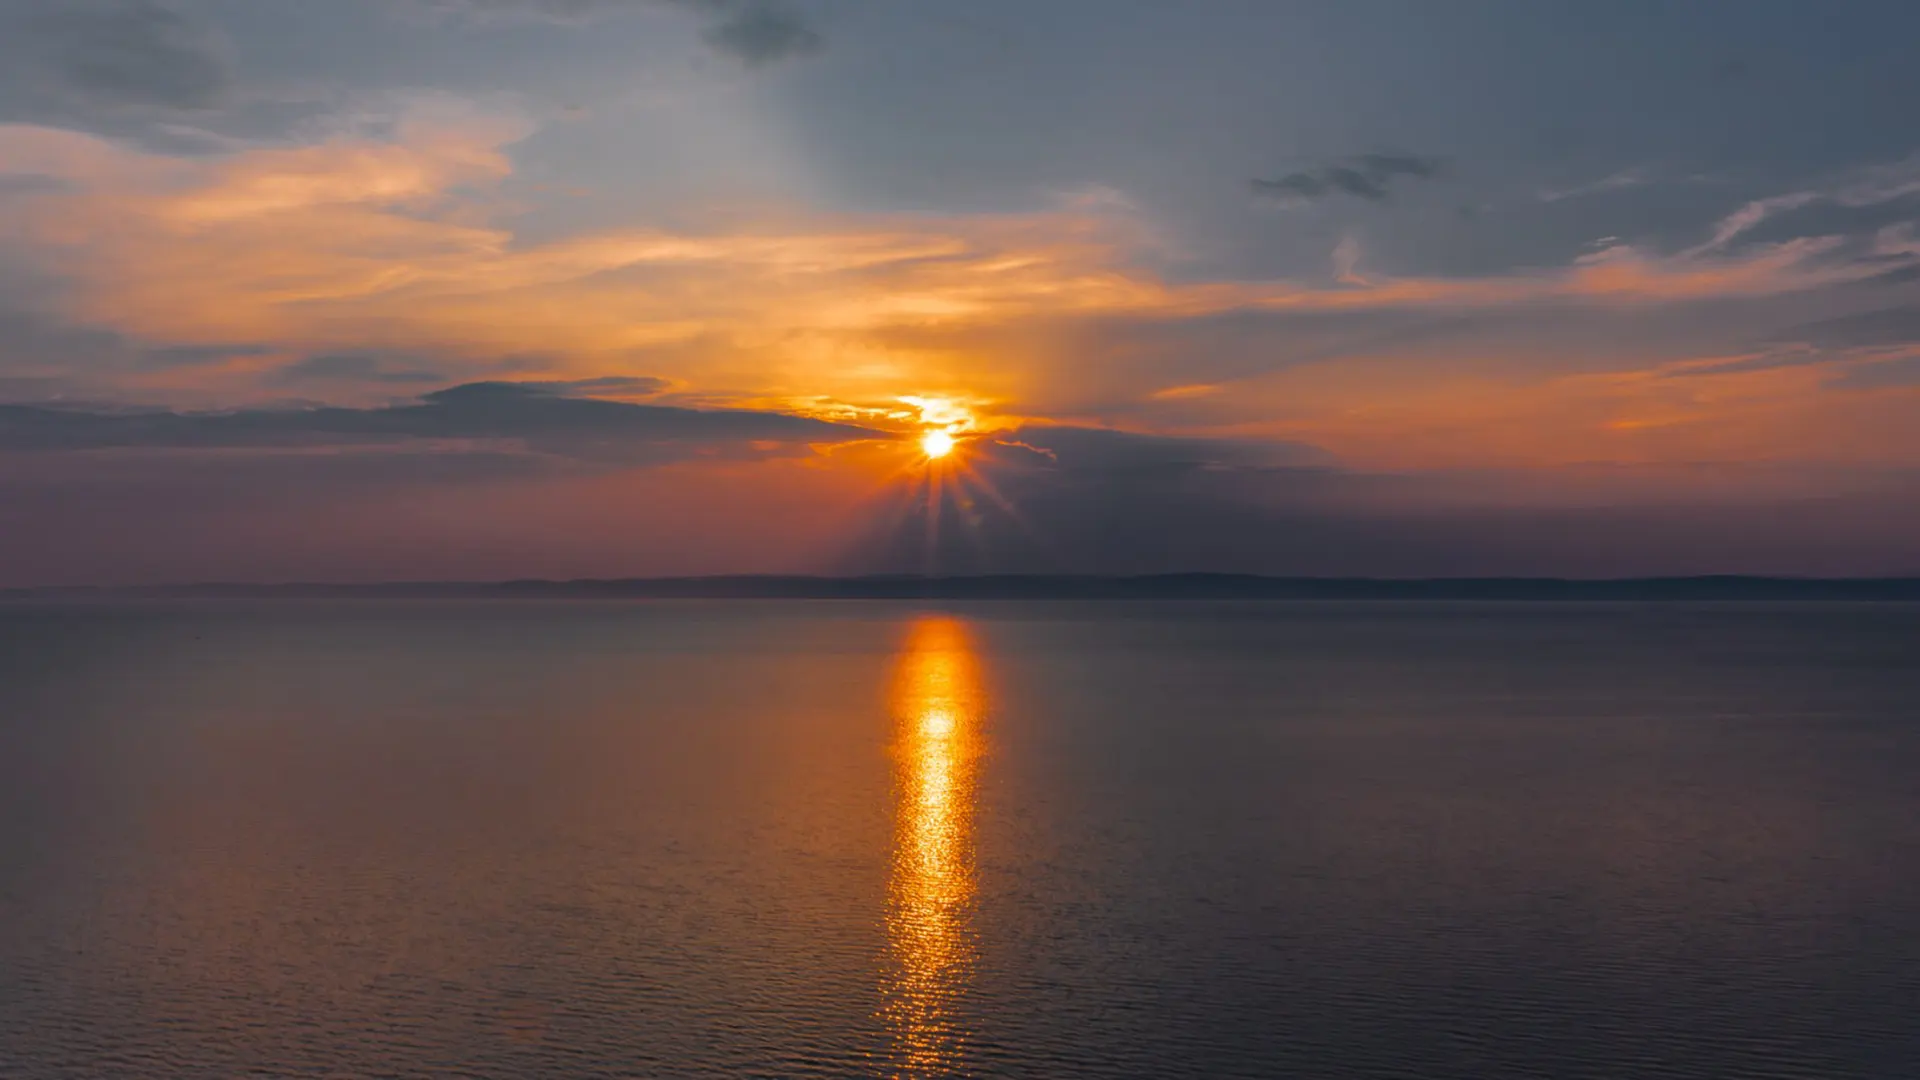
x: 1085, y: 449
x: 1899, y: 371
x: 1368, y: 176
x: 33, y: 342
x: 761, y: 33
x: 556, y: 10
x: 539, y: 416
x: 754, y: 32
x: 1119, y: 522
x: 1900, y: 275
x: 1332, y: 521
x: 1887, y: 326
x: 125, y: 55
x: 1047, y: 498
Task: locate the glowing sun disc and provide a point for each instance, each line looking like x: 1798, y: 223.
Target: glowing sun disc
x: 936, y: 444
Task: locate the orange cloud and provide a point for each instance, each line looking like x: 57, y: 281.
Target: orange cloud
x: 404, y: 244
x: 1660, y: 414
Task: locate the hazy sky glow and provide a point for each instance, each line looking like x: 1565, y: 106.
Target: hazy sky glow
x: 375, y: 289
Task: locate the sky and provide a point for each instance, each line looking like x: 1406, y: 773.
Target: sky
x: 478, y: 289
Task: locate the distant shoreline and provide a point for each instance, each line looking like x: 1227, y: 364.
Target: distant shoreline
x: 1038, y: 587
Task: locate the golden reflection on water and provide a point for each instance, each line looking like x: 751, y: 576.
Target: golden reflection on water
x: 937, y: 704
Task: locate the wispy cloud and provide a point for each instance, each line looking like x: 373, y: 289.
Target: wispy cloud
x: 363, y: 243
x: 1619, y: 181
x: 1878, y: 208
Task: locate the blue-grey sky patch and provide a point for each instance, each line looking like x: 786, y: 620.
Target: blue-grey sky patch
x: 754, y: 32
x: 128, y: 54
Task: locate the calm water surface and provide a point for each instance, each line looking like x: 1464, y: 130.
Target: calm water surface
x: 1035, y: 840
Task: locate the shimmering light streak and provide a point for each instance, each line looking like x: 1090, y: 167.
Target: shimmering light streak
x: 937, y: 740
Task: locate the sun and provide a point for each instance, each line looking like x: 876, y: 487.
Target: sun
x: 936, y: 444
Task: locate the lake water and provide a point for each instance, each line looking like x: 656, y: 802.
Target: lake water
x: 525, y: 839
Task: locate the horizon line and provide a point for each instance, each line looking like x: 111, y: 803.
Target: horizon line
x: 1176, y: 585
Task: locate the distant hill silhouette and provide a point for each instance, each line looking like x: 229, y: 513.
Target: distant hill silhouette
x: 1052, y: 587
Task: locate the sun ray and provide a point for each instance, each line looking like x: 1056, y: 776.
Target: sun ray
x: 1006, y: 506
